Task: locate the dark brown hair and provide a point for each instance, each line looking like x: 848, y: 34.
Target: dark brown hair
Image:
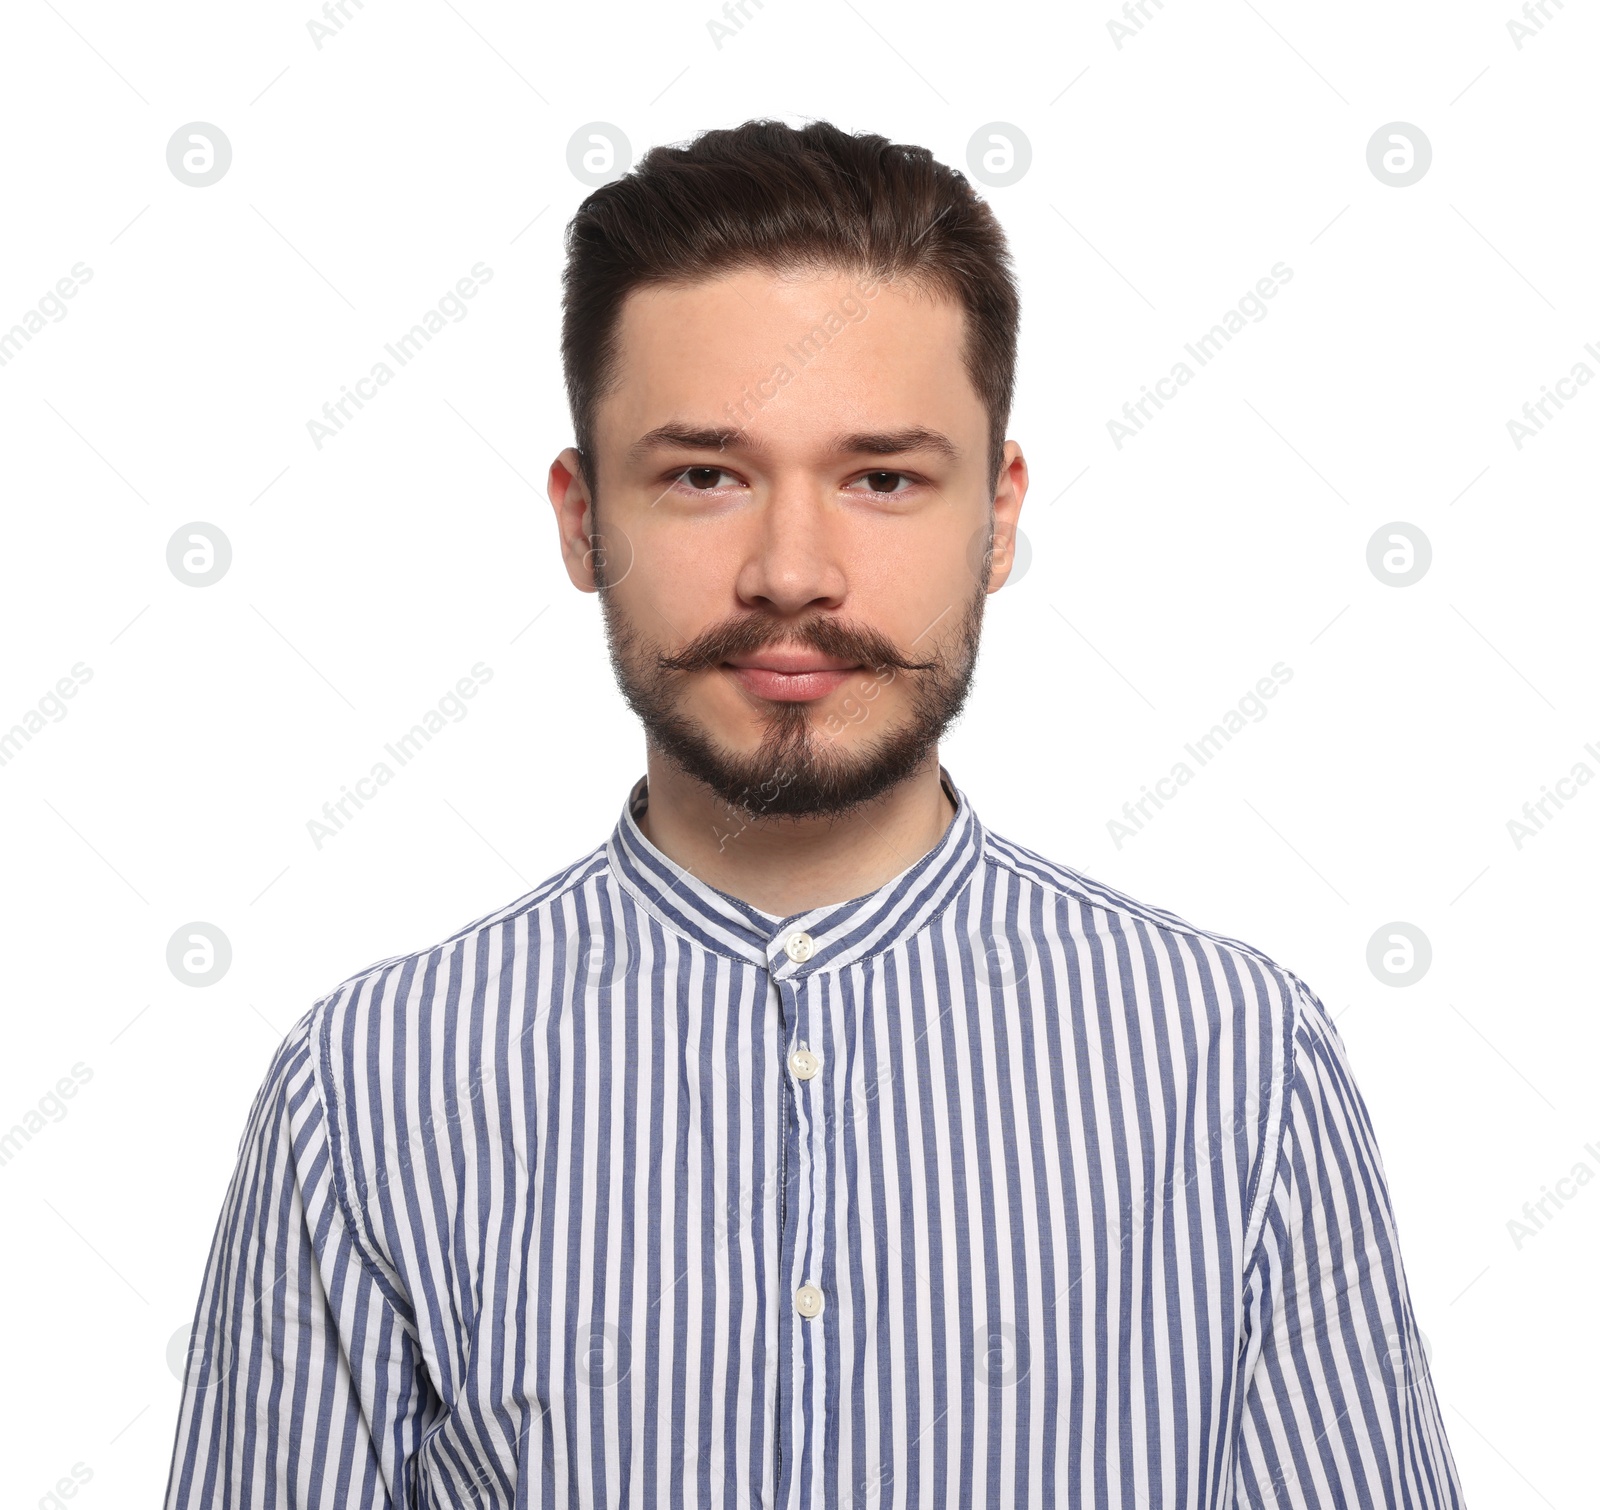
x: 770, y: 195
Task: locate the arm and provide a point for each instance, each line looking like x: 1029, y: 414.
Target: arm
x: 304, y: 1386
x: 1339, y: 1408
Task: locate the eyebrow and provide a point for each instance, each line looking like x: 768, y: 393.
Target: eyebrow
x: 863, y: 443
x: 673, y: 437
x: 896, y: 442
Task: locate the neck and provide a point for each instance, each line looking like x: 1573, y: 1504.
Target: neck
x: 790, y: 865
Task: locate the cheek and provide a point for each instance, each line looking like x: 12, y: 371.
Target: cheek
x: 685, y: 576
x: 907, y: 586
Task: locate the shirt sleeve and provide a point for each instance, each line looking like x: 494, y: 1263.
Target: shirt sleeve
x: 1339, y: 1407
x: 304, y: 1386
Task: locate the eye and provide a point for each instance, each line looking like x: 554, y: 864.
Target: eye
x: 885, y: 482
x: 704, y: 479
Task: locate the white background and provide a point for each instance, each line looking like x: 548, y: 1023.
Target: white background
x: 1167, y: 576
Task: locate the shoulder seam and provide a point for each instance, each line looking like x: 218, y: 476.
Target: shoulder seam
x: 1275, y: 1133
x: 339, y: 1175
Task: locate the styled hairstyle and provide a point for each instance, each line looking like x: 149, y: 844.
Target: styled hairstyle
x: 769, y: 195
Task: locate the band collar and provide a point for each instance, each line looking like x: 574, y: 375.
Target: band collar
x: 823, y: 938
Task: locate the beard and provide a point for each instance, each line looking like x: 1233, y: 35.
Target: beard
x: 800, y: 769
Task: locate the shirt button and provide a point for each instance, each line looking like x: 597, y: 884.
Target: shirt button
x: 808, y: 1300
x: 799, y: 947
x: 804, y: 1063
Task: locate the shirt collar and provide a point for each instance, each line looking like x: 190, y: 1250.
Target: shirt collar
x: 839, y: 933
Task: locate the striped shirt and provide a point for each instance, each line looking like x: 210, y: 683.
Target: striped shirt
x: 991, y: 1187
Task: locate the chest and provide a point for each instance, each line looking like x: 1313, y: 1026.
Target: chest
x: 877, y: 1239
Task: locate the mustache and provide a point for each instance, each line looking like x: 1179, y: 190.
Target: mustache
x: 831, y: 637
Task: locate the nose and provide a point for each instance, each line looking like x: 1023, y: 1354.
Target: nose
x: 794, y: 560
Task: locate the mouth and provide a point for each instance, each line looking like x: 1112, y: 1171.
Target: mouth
x: 794, y: 676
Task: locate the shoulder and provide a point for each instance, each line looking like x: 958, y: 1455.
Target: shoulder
x: 393, y: 1056
x: 365, y: 1035
x: 1153, y: 941
x: 1234, y: 1024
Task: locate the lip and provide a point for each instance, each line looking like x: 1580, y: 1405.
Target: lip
x: 789, y: 677
x: 790, y: 661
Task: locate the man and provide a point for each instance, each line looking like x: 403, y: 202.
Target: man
x: 806, y: 1143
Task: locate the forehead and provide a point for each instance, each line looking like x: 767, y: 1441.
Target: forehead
x: 789, y: 355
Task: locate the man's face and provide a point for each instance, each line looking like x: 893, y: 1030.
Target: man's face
x: 791, y: 479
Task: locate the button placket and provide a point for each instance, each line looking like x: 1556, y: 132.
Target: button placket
x: 801, y: 1253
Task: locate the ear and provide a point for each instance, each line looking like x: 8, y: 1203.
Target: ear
x: 1009, y: 492
x: 569, y: 497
